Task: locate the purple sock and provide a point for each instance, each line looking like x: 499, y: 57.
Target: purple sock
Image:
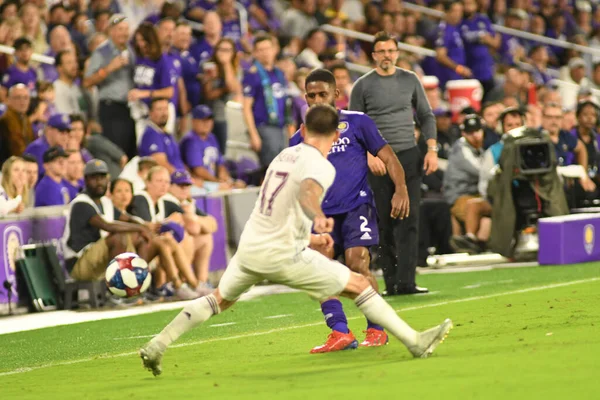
x: 371, y: 325
x: 334, y: 315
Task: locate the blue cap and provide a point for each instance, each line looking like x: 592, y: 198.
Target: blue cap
x: 202, y: 112
x: 181, y: 177
x: 62, y: 122
x: 442, y: 111
x: 175, y: 229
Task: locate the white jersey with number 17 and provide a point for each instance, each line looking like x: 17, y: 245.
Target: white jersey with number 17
x: 278, y: 229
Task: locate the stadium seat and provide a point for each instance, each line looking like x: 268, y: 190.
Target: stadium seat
x: 35, y: 280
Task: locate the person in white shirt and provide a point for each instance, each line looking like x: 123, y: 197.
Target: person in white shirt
x: 136, y: 172
x: 275, y: 241
x: 14, y: 192
x: 69, y: 97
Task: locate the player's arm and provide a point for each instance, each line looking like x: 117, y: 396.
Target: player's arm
x: 400, y: 200
x: 309, y: 199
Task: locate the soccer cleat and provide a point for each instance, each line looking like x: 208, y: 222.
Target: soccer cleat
x: 337, y: 341
x: 428, y: 340
x: 375, y: 338
x: 151, y: 355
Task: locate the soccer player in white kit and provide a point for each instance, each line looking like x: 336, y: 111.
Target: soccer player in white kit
x: 275, y: 246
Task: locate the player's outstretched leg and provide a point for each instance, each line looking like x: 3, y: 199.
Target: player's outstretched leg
x: 420, y: 344
x: 340, y: 337
x: 358, y: 260
x: 195, y: 313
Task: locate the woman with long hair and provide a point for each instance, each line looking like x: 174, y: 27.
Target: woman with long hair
x: 151, y: 77
x: 221, y: 81
x: 14, y: 192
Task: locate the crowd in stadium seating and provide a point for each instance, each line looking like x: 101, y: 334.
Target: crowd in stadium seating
x: 144, y: 91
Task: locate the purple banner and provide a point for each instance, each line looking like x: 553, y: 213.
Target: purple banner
x: 569, y: 239
x: 14, y: 235
x: 215, y: 206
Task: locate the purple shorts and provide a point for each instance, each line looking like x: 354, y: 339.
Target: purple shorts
x: 356, y: 228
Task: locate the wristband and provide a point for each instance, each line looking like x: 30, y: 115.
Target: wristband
x: 433, y: 148
x: 102, y: 73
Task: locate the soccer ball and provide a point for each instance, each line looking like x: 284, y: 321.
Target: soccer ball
x: 127, y: 275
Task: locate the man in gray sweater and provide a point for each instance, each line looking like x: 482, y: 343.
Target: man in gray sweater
x: 391, y: 96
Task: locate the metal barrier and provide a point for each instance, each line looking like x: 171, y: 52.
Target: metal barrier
x: 34, y: 57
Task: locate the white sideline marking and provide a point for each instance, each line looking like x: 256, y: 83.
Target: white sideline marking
x: 280, y: 316
x: 223, y: 324
x: 134, y: 337
x: 486, y: 283
x: 254, y: 334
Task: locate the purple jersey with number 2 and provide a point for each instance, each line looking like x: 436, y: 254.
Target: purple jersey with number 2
x: 350, y: 189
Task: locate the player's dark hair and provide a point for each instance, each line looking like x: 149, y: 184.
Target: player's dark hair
x: 322, y: 120
x: 320, y: 75
x: 384, y: 37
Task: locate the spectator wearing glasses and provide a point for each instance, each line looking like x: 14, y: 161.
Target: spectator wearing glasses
x: 110, y: 69
x: 56, y: 134
x: 16, y: 131
x: 221, y: 82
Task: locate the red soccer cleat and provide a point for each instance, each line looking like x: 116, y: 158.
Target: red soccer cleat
x: 337, y: 341
x: 375, y: 338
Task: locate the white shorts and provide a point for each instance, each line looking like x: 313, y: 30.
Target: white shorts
x: 310, y: 272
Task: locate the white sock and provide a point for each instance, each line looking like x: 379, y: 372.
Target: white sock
x: 472, y: 236
x: 195, y: 313
x: 380, y: 312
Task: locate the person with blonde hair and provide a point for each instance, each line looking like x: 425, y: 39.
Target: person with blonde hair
x: 14, y: 193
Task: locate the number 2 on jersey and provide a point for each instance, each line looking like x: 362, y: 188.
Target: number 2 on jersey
x: 267, y: 199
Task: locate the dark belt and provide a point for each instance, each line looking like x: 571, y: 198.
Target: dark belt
x: 113, y: 102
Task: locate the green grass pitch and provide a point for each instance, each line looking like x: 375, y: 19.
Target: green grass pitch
x: 527, y: 333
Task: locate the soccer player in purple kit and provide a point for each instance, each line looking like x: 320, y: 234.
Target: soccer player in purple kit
x: 51, y: 190
x: 20, y: 71
x: 479, y: 39
x: 201, y: 153
x: 350, y: 203
x: 449, y: 46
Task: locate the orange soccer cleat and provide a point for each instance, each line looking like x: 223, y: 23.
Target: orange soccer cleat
x: 337, y: 341
x: 375, y: 338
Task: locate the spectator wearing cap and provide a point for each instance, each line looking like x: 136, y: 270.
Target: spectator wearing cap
x: 182, y: 40
x: 21, y: 71
x: 74, y: 173
x: 480, y: 41
x: 16, y: 131
x: 449, y: 46
x: 56, y: 133
x: 462, y: 175
x: 156, y: 142
x: 110, y: 69
x: 213, y: 29
x: 574, y: 79
x: 199, y: 227
x: 265, y: 105
x: 201, y: 153
x: 51, y: 189
x: 60, y: 40
x: 69, y: 97
x: 221, y: 77
x: 448, y: 133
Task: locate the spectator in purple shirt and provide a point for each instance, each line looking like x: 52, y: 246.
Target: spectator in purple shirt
x: 232, y: 27
x: 539, y: 60
x: 60, y: 40
x: 189, y: 63
x: 449, y: 46
x: 213, y: 28
x: 21, y: 71
x: 265, y: 105
x: 51, y: 190
x: 201, y: 153
x: 56, y: 134
x: 74, y: 173
x: 156, y: 142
